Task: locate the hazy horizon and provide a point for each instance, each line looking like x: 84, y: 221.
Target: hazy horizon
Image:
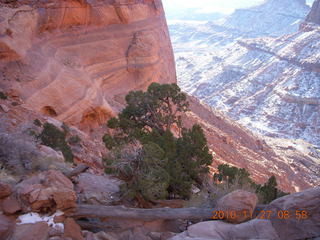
x: 211, y: 6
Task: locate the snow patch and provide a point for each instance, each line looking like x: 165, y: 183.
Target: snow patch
x: 35, y: 217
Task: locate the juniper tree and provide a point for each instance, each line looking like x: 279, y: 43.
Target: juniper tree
x: 149, y: 118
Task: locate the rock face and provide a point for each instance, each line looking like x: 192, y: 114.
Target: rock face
x: 5, y: 190
x: 74, y: 60
x: 314, y: 15
x: 303, y: 215
x: 268, y: 226
x: 11, y: 205
x: 33, y: 231
x: 255, y: 229
x: 72, y: 229
x: 6, y: 224
x: 93, y: 189
x: 237, y: 206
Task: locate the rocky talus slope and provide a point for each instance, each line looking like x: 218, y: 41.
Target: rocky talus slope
x: 74, y: 60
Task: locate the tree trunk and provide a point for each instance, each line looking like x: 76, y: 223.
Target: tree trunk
x: 120, y: 212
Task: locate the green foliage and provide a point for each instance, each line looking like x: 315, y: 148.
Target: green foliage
x: 55, y: 138
x: 156, y: 110
x: 269, y: 191
x: 232, y: 175
x: 3, y: 96
x: 74, y: 140
x: 142, y: 168
x: 37, y: 122
x: 167, y: 164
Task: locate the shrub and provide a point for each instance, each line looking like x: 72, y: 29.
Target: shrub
x: 74, y: 140
x: 37, y: 122
x: 3, y: 96
x: 53, y: 137
x: 229, y: 174
x: 142, y: 168
x: 239, y: 178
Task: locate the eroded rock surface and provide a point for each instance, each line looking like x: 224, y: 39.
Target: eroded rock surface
x: 94, y: 189
x: 5, y: 190
x: 31, y: 231
x: 303, y: 215
x: 49, y: 190
x: 237, y: 206
x: 267, y: 226
x: 74, y: 60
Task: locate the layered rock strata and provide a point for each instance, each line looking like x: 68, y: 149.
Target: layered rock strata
x: 75, y: 60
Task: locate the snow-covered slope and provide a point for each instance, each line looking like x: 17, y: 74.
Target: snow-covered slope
x: 270, y: 84
x: 273, y: 17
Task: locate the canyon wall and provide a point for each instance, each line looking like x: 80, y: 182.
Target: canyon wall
x: 75, y: 60
x: 314, y: 15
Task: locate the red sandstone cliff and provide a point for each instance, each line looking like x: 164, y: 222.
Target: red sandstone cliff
x: 75, y: 60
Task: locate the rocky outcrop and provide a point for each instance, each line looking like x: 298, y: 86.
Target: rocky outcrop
x: 282, y: 219
x: 237, y: 207
x: 31, y: 231
x: 72, y: 229
x: 255, y: 229
x: 74, y: 60
x: 46, y: 191
x: 6, y: 225
x: 314, y: 15
x: 11, y: 205
x: 5, y: 190
x: 94, y: 189
x: 302, y: 219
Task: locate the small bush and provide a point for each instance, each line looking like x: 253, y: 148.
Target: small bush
x: 229, y: 174
x: 37, y: 122
x: 142, y: 168
x: 233, y: 178
x: 3, y: 96
x: 74, y: 140
x: 52, y: 137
